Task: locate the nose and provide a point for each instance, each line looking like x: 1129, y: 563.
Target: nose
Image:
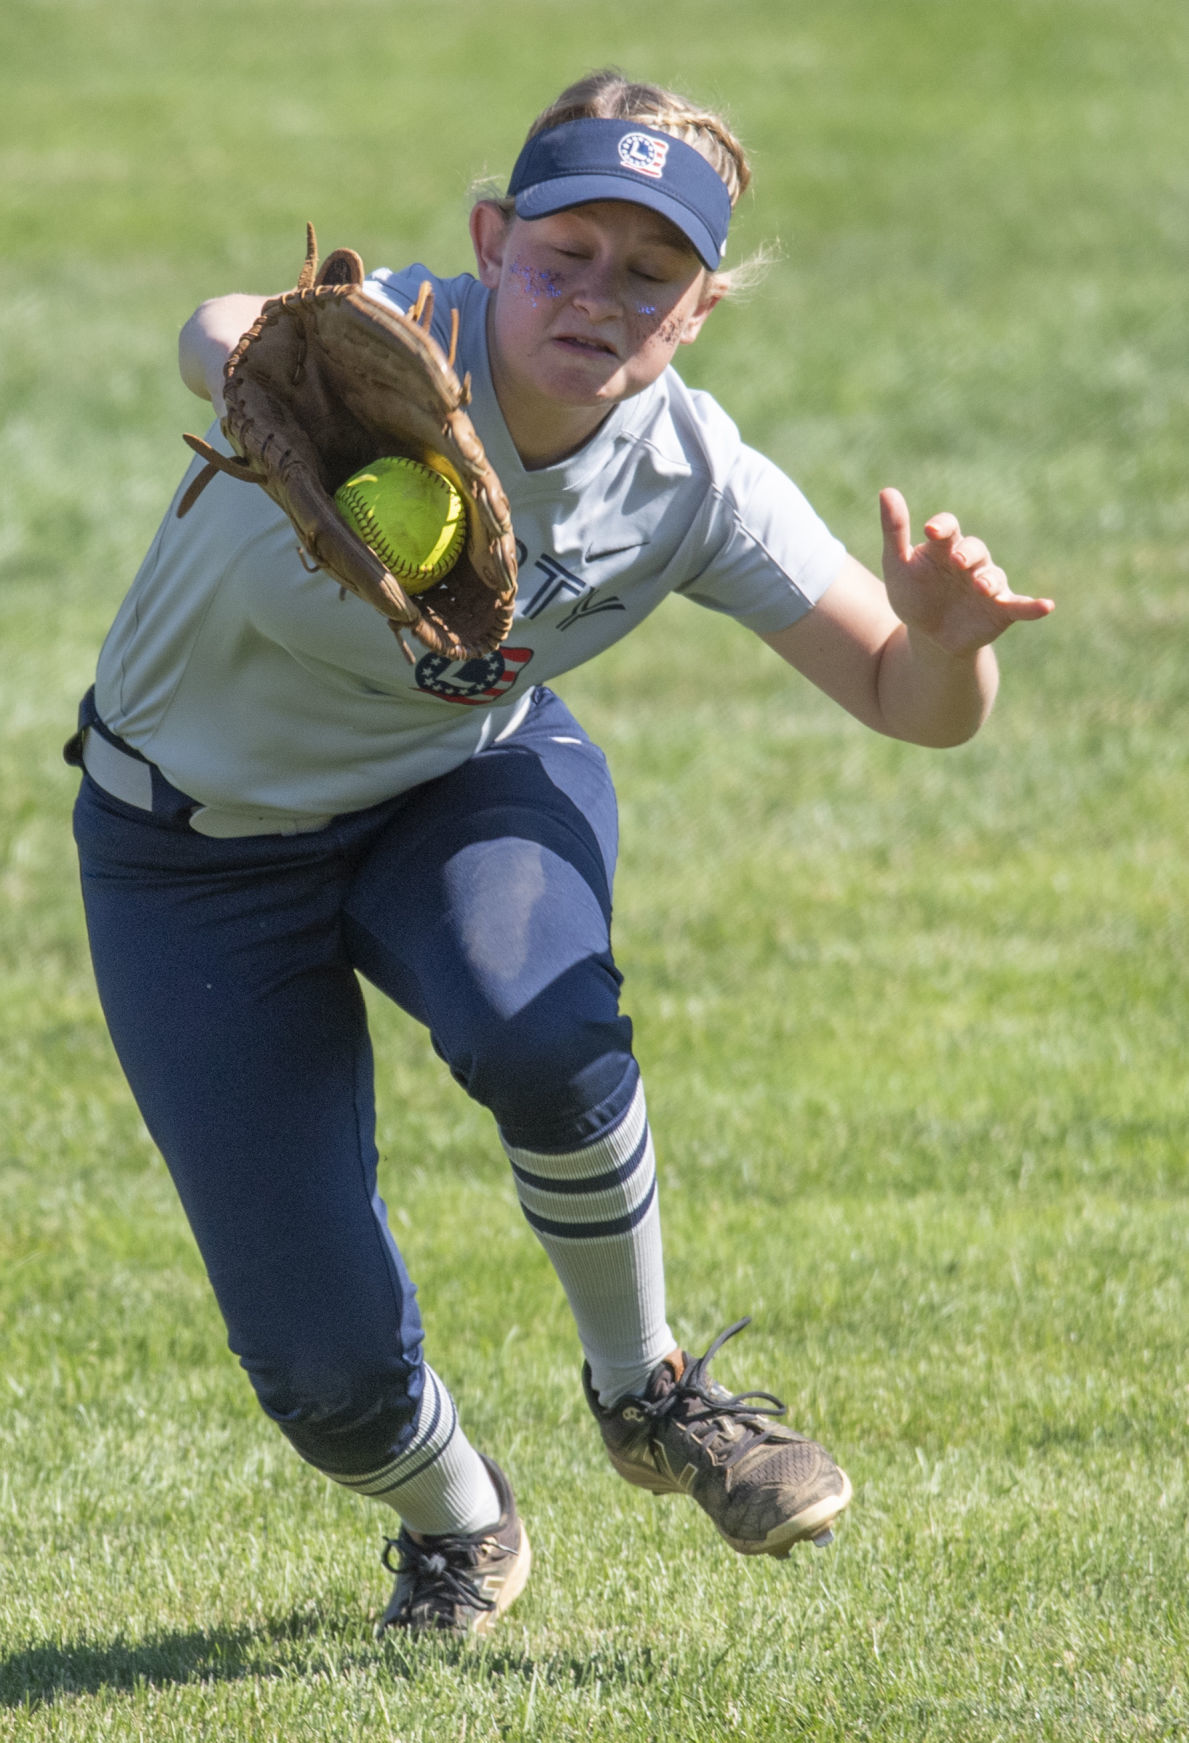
x: 598, y: 291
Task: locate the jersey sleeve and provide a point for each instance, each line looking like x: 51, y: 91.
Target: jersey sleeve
x: 403, y: 288
x: 769, y: 556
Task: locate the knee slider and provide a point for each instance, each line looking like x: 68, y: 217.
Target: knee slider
x: 538, y: 1071
x: 343, y: 1415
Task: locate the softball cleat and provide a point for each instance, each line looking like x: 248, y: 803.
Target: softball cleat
x: 458, y: 1585
x: 765, y: 1487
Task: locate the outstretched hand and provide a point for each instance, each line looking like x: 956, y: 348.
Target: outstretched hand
x: 947, y: 587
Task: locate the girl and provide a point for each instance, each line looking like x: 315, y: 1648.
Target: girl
x: 264, y: 772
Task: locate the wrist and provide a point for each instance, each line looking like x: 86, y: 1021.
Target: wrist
x: 928, y: 650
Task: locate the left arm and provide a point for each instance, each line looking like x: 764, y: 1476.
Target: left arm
x: 911, y: 656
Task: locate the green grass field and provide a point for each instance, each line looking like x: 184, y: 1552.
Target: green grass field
x: 914, y: 1025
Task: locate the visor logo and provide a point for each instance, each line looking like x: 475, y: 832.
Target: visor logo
x: 643, y: 153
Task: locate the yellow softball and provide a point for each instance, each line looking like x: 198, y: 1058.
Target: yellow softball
x: 410, y: 515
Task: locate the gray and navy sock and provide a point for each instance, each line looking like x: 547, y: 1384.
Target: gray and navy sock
x: 595, y: 1212
x: 437, y: 1483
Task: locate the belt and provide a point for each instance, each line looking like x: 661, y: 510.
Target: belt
x: 137, y: 782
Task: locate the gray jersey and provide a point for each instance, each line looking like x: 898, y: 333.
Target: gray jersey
x: 257, y: 689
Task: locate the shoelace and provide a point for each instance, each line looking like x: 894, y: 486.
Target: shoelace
x: 693, y: 1388
x: 439, y: 1572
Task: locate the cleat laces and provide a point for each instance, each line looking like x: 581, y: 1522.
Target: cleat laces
x: 441, y: 1583
x: 701, y: 1404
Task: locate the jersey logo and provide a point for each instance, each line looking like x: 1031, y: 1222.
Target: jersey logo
x: 557, y: 583
x: 475, y: 683
x: 641, y: 152
x: 589, y: 606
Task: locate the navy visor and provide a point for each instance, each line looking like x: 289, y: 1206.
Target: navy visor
x: 620, y: 160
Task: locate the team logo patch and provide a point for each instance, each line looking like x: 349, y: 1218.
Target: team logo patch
x: 641, y: 152
x: 474, y: 683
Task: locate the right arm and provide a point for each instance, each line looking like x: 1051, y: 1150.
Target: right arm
x: 208, y: 339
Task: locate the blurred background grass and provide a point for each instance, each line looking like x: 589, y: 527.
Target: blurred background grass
x: 914, y: 1025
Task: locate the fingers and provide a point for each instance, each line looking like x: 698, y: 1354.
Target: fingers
x: 971, y: 553
x: 945, y: 535
x: 989, y: 580
x: 897, y: 535
x: 1020, y: 608
x: 968, y: 553
x: 988, y: 577
x: 942, y: 529
x: 942, y: 532
x: 949, y: 549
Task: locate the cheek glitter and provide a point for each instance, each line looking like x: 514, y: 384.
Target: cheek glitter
x: 535, y: 284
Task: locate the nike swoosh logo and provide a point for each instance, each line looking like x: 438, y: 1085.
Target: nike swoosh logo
x: 614, y: 551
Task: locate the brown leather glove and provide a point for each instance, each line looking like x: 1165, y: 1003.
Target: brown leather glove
x: 329, y: 379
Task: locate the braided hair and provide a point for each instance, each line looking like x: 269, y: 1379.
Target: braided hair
x: 610, y: 96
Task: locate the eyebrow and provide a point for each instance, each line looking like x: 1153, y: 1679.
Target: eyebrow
x: 666, y: 236
x: 656, y: 231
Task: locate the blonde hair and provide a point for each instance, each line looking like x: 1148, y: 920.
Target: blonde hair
x: 608, y: 95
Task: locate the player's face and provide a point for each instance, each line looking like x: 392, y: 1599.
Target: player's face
x: 589, y: 307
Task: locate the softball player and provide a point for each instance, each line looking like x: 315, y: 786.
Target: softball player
x: 276, y: 803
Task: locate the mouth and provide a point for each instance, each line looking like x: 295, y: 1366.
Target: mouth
x: 584, y: 346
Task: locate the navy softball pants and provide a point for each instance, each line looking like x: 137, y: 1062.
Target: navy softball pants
x: 228, y: 974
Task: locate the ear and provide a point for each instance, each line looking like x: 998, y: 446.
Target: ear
x: 694, y: 323
x: 489, y: 236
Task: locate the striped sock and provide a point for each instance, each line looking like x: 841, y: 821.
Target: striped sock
x: 595, y: 1213
x: 438, y: 1483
